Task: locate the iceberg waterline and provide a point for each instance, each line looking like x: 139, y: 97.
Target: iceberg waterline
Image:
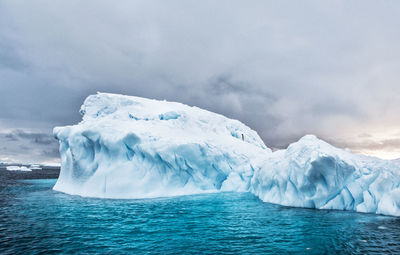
x: 132, y: 147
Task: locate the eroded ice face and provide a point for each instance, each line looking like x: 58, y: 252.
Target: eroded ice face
x: 312, y: 173
x: 131, y: 147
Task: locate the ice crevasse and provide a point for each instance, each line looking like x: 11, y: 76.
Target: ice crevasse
x: 132, y: 147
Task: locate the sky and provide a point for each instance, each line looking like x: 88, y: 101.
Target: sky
x: 284, y: 68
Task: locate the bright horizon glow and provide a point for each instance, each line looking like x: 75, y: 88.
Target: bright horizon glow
x: 387, y: 155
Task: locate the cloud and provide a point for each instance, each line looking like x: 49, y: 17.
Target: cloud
x: 364, y: 135
x: 383, y: 147
x: 370, y: 144
x: 11, y: 137
x: 38, y: 138
x: 284, y: 68
x: 28, y: 147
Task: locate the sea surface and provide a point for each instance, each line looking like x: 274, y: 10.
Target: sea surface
x: 34, y: 219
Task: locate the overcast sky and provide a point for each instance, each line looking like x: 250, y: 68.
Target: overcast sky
x: 284, y: 68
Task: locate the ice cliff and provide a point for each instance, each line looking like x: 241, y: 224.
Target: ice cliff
x: 132, y: 147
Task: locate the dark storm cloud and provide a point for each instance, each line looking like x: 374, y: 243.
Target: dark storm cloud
x: 24, y: 148
x: 28, y: 146
x: 53, y: 153
x: 10, y: 137
x: 29, y: 137
x: 9, y: 58
x: 284, y: 68
x: 39, y: 138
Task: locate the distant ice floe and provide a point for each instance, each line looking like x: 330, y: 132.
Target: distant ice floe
x: 35, y: 167
x: 18, y: 168
x: 132, y: 147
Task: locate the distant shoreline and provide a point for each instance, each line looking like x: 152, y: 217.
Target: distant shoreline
x: 44, y: 173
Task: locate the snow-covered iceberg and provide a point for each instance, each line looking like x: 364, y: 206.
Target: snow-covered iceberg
x: 312, y: 173
x: 132, y: 147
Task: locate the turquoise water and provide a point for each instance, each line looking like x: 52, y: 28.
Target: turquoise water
x: 34, y: 219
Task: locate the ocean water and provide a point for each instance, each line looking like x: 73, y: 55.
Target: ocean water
x: 34, y: 219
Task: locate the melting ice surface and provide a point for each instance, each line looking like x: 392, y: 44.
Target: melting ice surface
x: 131, y: 147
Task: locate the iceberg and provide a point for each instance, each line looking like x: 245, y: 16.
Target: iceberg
x: 18, y: 168
x: 313, y: 174
x: 35, y: 167
x: 132, y: 147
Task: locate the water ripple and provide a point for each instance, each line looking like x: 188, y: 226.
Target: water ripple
x: 34, y: 219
